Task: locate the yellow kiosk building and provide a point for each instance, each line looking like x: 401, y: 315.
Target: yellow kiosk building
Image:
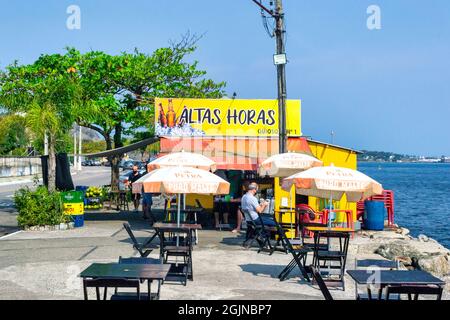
x: 239, y: 135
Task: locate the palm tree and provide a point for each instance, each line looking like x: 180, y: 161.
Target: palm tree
x: 47, y: 96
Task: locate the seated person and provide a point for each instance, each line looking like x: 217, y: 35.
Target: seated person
x: 250, y: 203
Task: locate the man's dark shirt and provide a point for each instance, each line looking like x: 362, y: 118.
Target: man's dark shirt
x: 133, y: 176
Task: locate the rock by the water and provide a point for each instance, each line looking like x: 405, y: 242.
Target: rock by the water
x: 396, y: 249
x: 405, y: 231
x: 423, y: 238
x: 437, y: 265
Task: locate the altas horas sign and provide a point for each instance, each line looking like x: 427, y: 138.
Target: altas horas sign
x: 224, y: 117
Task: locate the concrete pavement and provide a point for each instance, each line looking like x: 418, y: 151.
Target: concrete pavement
x: 45, y: 265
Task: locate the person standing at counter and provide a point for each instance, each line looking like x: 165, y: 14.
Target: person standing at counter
x: 147, y: 201
x: 221, y: 204
x: 235, y: 180
x: 250, y: 203
x: 132, y: 177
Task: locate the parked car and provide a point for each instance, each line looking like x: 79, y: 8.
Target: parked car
x: 87, y: 163
x: 123, y: 162
x: 127, y: 165
x: 141, y: 165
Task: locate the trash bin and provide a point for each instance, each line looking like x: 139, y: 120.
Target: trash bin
x: 78, y: 220
x: 73, y: 205
x: 374, y: 212
x: 81, y: 188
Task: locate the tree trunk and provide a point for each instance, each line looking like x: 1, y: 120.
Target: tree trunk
x: 51, y: 164
x: 115, y: 160
x: 108, y: 142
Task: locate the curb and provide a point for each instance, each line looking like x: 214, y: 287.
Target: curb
x: 10, y: 234
x: 17, y: 182
x: 6, y: 183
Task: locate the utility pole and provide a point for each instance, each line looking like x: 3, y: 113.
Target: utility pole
x: 45, y: 144
x: 79, y: 148
x: 74, y: 147
x: 280, y: 62
x: 281, y: 75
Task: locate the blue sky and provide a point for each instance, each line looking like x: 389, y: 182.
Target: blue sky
x: 385, y: 89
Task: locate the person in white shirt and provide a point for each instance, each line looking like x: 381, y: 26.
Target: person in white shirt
x: 250, y: 203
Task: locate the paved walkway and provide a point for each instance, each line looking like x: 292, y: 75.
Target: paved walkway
x: 45, y: 265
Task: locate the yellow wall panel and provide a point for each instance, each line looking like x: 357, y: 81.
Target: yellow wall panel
x: 339, y: 157
x: 207, y: 201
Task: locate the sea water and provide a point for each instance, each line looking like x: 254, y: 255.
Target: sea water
x: 421, y: 195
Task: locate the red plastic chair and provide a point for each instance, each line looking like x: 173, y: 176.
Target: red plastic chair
x: 348, y: 216
x: 307, y: 216
x: 387, y: 197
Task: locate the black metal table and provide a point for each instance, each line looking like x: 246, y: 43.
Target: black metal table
x: 190, y: 210
x: 173, y: 227
x: 176, y: 271
x: 384, y: 278
x: 142, y: 272
x: 377, y: 263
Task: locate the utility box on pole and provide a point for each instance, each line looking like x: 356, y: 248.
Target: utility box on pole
x: 280, y: 61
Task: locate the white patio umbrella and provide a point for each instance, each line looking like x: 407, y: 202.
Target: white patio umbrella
x: 286, y: 164
x: 183, y: 159
x: 181, y: 180
x: 333, y: 182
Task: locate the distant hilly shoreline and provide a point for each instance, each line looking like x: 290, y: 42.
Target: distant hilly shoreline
x: 383, y: 156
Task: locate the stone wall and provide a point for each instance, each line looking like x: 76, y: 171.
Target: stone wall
x: 20, y: 166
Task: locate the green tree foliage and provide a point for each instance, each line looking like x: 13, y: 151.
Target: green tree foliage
x: 63, y: 143
x: 47, y: 92
x: 13, y: 136
x: 93, y: 146
x: 111, y: 94
x: 119, y: 91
